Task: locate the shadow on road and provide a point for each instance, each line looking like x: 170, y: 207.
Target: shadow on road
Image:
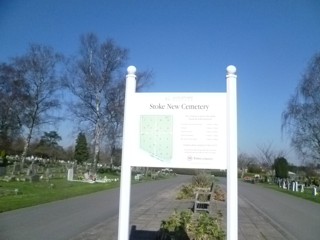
x: 156, y: 235
x: 142, y: 234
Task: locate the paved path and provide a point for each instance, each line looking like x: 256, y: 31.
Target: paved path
x: 146, y: 219
x: 294, y: 217
x: 62, y: 220
x: 66, y: 219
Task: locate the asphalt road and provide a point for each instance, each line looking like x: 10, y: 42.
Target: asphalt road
x: 64, y: 219
x: 298, y: 218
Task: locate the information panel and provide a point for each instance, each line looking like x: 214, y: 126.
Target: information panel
x: 179, y: 130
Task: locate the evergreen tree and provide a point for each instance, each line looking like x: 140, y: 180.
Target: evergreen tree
x: 81, y: 152
x: 281, y: 167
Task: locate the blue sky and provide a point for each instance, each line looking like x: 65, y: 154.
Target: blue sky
x: 188, y: 45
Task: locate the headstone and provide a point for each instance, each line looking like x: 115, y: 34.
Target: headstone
x: 3, y: 171
x: 34, y: 178
x: 284, y: 184
x: 29, y: 172
x: 47, y: 174
x: 302, y: 187
x: 32, y: 170
x: 70, y: 174
x: 32, y: 173
x: 86, y: 176
x: 315, y: 191
x: 297, y: 187
x: 15, y: 169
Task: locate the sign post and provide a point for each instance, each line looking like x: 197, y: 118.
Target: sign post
x: 232, y: 155
x: 125, y: 180
x: 180, y: 130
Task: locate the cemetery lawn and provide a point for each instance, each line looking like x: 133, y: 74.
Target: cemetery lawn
x: 307, y: 194
x: 14, y: 195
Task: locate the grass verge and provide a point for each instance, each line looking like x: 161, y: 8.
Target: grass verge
x: 31, y: 194
x: 307, y: 194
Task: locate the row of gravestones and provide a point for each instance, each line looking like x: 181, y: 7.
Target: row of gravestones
x: 295, y: 186
x: 34, y: 172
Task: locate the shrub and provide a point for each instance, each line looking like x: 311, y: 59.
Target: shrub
x: 185, y: 225
x: 207, y: 228
x: 219, y: 194
x: 186, y: 192
x: 202, y: 180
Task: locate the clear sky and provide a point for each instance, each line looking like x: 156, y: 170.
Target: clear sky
x: 188, y: 45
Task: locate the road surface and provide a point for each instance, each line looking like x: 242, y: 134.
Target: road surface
x: 67, y: 218
x: 297, y: 217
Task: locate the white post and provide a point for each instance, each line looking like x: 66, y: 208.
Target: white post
x: 315, y: 191
x: 125, y: 184
x: 232, y: 155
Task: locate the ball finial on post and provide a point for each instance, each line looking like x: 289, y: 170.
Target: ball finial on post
x: 131, y: 70
x: 231, y: 69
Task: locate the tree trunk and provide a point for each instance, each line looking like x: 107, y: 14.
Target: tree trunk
x: 25, y: 149
x: 96, y: 146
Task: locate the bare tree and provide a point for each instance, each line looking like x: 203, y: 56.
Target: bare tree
x: 37, y: 69
x: 96, y: 79
x: 266, y: 155
x: 10, y: 95
x: 244, y: 160
x: 301, y: 118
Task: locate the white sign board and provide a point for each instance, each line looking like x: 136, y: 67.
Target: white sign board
x: 179, y: 130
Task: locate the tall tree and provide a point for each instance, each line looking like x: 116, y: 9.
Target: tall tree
x: 281, y: 167
x: 266, y: 155
x: 301, y: 118
x: 11, y: 95
x: 48, y: 145
x: 96, y: 78
x: 81, y: 151
x: 244, y: 161
x: 38, y: 70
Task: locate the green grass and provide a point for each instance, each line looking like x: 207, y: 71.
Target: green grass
x: 307, y: 194
x: 31, y: 194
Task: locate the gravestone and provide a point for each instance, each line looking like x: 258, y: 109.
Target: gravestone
x: 70, y: 174
x: 34, y: 178
x: 3, y: 171
x: 32, y: 173
x: 47, y: 174
x: 15, y: 169
x: 86, y: 175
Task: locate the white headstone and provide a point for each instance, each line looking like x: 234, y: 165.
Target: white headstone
x: 70, y: 174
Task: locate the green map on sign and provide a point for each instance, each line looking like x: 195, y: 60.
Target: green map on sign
x: 156, y: 135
